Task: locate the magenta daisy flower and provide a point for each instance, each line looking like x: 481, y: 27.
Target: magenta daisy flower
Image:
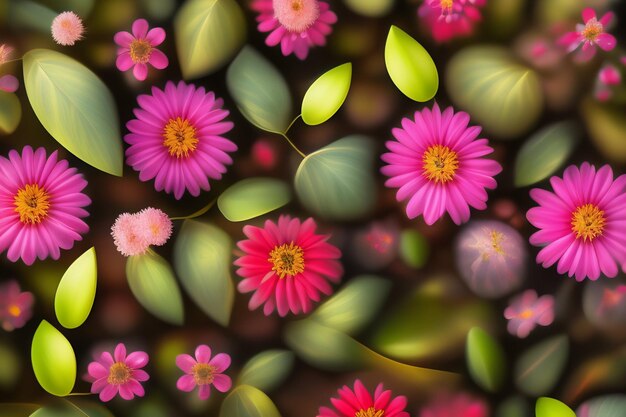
x: 41, y: 205
x: 589, y: 34
x: 176, y: 139
x: 449, y: 19
x: 436, y: 163
x: 16, y: 307
x: 526, y: 311
x: 119, y: 373
x: 297, y: 25
x: 581, y: 222
x: 138, y: 49
x: 358, y: 402
x: 203, y: 371
x: 287, y: 265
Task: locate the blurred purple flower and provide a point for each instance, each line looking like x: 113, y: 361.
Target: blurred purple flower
x: 589, y: 35
x: 16, y: 307
x: 136, y: 50
x: 526, y: 311
x: 203, y: 371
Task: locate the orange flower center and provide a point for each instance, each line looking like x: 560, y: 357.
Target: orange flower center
x: 140, y: 51
x: 592, y: 29
x: 526, y: 314
x: 296, y: 15
x: 588, y: 222
x: 32, y: 204
x: 203, y: 373
x: 14, y: 310
x: 119, y: 374
x: 440, y: 163
x: 496, y: 241
x: 179, y: 137
x: 288, y: 259
x: 370, y: 412
x: 446, y: 5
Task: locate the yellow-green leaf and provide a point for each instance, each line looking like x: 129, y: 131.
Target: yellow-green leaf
x: 549, y: 407
x: 414, y: 248
x: 370, y: 8
x: 247, y: 401
x: 31, y: 15
x: 253, y: 197
x: 10, y: 112
x: 77, y: 291
x: 607, y: 128
x: 485, y: 359
x: 267, y: 370
x: 326, y: 95
x: 538, y: 369
x: 53, y: 359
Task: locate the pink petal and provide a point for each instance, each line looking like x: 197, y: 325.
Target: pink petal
x: 124, y: 61
x: 156, y: 36
x: 606, y: 41
x: 158, y: 59
x: 123, y: 39
x: 588, y: 14
x: 140, y: 71
x: 221, y: 362
x: 108, y: 393
x: 204, y: 392
x: 137, y: 360
x: 203, y: 354
x: 607, y: 18
x: 140, y: 28
x: 120, y: 353
x: 185, y: 362
x: 186, y: 383
x: 222, y: 382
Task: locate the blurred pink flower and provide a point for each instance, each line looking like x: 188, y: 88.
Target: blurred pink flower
x: 138, y: 49
x: 119, y: 373
x: 16, y: 307
x: 155, y: 225
x: 526, y: 311
x: 589, y: 35
x: 358, y: 402
x: 203, y: 371
x: 457, y: 405
x: 5, y: 53
x: 9, y: 83
x: 449, y: 19
x: 264, y: 154
x: 67, y: 28
x: 609, y: 75
x: 128, y: 235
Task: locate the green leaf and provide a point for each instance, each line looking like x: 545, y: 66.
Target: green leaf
x: 202, y: 258
x: 247, y: 401
x: 11, y: 365
x: 27, y: 14
x: 75, y: 409
x: 538, y: 370
x: 267, y: 370
x: 10, y: 112
x: 260, y: 91
x: 414, y: 248
x: 370, y: 8
x: 326, y: 95
x: 549, y: 407
x: 53, y: 359
x: 17, y: 409
x: 410, y: 66
x: 337, y: 182
x: 253, y: 197
x: 485, y: 359
x: 208, y: 34
x: 607, y: 128
x: 605, y: 406
x: 153, y: 284
x: 544, y: 153
x: 75, y: 107
x: 80, y: 7
x: 516, y: 406
x: 77, y: 291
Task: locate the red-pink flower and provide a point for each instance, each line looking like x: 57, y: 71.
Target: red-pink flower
x: 589, y: 34
x: 457, y: 405
x: 138, y: 49
x: 358, y: 402
x: 119, y: 373
x: 287, y: 265
x: 449, y: 19
x: 297, y: 25
x: 203, y: 371
x: 9, y: 83
x: 526, y: 311
x: 16, y: 307
x: 437, y: 164
x: 67, y: 28
x: 581, y: 223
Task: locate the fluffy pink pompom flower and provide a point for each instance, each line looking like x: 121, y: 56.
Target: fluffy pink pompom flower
x: 581, y: 222
x: 449, y: 19
x: 138, y: 49
x: 203, y: 371
x: 358, y: 402
x: 526, y: 311
x: 155, y: 225
x: 589, y: 34
x: 67, y: 28
x: 458, y: 405
x: 119, y: 373
x: 16, y: 307
x: 287, y: 265
x: 437, y: 164
x: 297, y: 25
x: 128, y: 235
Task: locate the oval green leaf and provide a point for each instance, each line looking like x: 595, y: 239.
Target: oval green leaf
x: 77, y: 291
x: 10, y: 112
x: 414, y: 248
x: 53, y: 359
x: 202, y: 259
x: 538, y: 370
x: 337, y: 182
x: 253, y: 197
x: 208, y: 34
x: 607, y: 128
x: 260, y: 91
x: 247, y: 401
x: 549, y: 407
x: 75, y: 107
x: 267, y: 370
x: 485, y: 359
x: 370, y: 8
x: 326, y: 95
x: 152, y: 282
x: 410, y: 66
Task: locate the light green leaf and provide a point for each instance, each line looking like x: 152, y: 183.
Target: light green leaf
x: 208, y: 33
x: 53, y: 359
x: 78, y: 409
x: 337, y: 182
x: 75, y: 107
x: 77, y: 291
x: 414, y: 248
x: 607, y: 128
x: 410, y: 66
x: 267, y: 370
x: 27, y: 14
x: 549, y: 407
x: 370, y: 8
x: 538, y: 369
x: 152, y: 282
x: 10, y: 112
x: 260, y: 91
x: 485, y: 359
x: 202, y: 258
x: 11, y: 365
x: 612, y: 405
x: 253, y: 197
x: 515, y: 406
x: 247, y: 401
x: 326, y: 95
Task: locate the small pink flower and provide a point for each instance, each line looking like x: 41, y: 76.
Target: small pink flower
x: 526, y: 311
x: 589, y: 35
x: 138, y: 49
x: 128, y: 236
x: 67, y: 28
x: 457, y: 405
x: 609, y: 75
x: 5, y: 53
x: 449, y: 19
x: 119, y: 373
x: 9, y: 83
x: 203, y: 371
x: 16, y: 307
x: 358, y: 402
x: 264, y: 154
x: 155, y: 225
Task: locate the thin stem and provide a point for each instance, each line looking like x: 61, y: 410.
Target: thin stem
x: 302, y: 154
x: 291, y: 124
x: 76, y: 394
x: 77, y: 407
x: 197, y: 213
x: 12, y: 60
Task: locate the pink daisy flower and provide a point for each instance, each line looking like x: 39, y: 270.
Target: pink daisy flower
x: 581, y: 222
x: 449, y: 19
x: 176, y: 139
x: 203, y: 371
x: 67, y: 28
x: 297, y: 25
x: 138, y: 49
x: 119, y: 373
x: 16, y: 307
x: 41, y: 205
x: 129, y: 236
x: 358, y: 402
x: 589, y: 34
x: 9, y: 83
x: 155, y: 225
x: 436, y: 163
x: 526, y: 311
x: 287, y: 265
x: 457, y: 405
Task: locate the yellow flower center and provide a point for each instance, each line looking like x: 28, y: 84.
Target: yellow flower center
x: 32, y: 204
x: 119, y: 374
x: 140, y: 51
x: 592, y: 29
x: 288, y: 259
x: 588, y: 222
x: 296, y: 5
x: 446, y: 5
x: 440, y: 163
x: 526, y: 314
x: 179, y: 137
x: 370, y: 412
x: 14, y: 310
x: 496, y: 241
x: 203, y: 373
